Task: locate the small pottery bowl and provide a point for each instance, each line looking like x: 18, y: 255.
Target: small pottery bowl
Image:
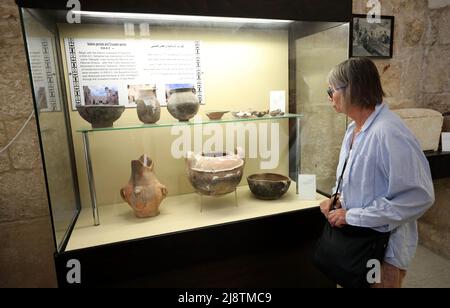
x: 242, y: 114
x: 101, y: 115
x: 260, y: 114
x: 277, y: 112
x: 215, y: 115
x: 268, y: 186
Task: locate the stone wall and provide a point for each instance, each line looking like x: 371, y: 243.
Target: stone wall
x: 401, y: 75
x: 26, y: 241
x: 436, y: 66
x: 418, y: 75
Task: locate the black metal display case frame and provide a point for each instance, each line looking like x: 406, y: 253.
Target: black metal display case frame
x: 273, y: 251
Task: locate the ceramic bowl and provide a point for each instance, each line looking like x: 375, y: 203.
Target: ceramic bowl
x: 242, y: 114
x: 268, y: 186
x: 214, y: 174
x: 215, y: 115
x: 277, y: 112
x: 101, y: 115
x: 260, y: 114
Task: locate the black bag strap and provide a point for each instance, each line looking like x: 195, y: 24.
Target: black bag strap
x: 333, y: 204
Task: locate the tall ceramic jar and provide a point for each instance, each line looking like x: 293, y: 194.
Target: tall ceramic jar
x: 149, y: 109
x: 144, y: 193
x: 183, y: 104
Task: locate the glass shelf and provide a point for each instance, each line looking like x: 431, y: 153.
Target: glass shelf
x: 197, y: 121
x: 200, y: 121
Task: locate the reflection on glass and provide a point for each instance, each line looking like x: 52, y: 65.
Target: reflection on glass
x: 242, y: 68
x: 323, y: 129
x: 44, y: 71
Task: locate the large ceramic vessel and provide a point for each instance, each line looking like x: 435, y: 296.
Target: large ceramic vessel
x: 101, y: 116
x: 268, y: 186
x: 144, y: 193
x: 149, y: 110
x: 183, y: 104
x: 215, y: 174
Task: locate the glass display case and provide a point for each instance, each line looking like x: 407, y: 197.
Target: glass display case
x: 165, y: 119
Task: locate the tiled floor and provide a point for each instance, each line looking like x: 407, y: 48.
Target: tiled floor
x: 428, y: 270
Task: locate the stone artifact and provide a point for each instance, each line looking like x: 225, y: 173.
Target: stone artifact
x: 242, y: 114
x: 101, y: 115
x: 426, y: 125
x: 215, y: 174
x: 260, y: 114
x: 183, y: 104
x: 149, y: 109
x: 268, y: 186
x: 215, y: 115
x: 143, y: 192
x: 277, y: 112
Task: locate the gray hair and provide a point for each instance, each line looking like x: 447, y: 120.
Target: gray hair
x: 362, y: 81
x: 337, y: 78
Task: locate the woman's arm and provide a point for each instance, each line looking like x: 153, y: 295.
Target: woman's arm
x: 410, y: 187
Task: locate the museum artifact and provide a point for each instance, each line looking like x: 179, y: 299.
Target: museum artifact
x: 242, y: 114
x: 249, y: 114
x: 426, y: 125
x: 268, y: 186
x: 183, y: 104
x: 276, y: 112
x: 260, y: 114
x: 215, y: 115
x: 149, y: 110
x: 144, y: 193
x: 215, y: 174
x: 101, y: 116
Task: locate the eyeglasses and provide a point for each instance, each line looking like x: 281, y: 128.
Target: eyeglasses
x: 331, y: 91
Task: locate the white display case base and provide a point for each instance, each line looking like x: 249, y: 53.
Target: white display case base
x: 179, y: 213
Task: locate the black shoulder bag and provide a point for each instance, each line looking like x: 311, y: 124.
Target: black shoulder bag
x: 342, y: 253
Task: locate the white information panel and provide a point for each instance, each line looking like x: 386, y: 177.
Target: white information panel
x: 121, y: 71
x: 43, y: 71
x: 307, y: 186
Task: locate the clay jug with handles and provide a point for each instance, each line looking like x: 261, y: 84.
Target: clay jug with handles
x: 144, y: 193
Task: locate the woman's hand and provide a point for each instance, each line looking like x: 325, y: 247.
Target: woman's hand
x: 326, y: 205
x: 336, y: 218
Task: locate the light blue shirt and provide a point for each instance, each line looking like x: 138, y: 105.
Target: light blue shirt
x: 387, y: 183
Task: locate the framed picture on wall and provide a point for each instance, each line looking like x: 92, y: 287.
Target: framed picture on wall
x: 373, y: 40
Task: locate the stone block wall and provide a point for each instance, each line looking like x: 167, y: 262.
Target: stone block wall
x: 436, y: 79
x: 26, y: 240
x: 418, y: 75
